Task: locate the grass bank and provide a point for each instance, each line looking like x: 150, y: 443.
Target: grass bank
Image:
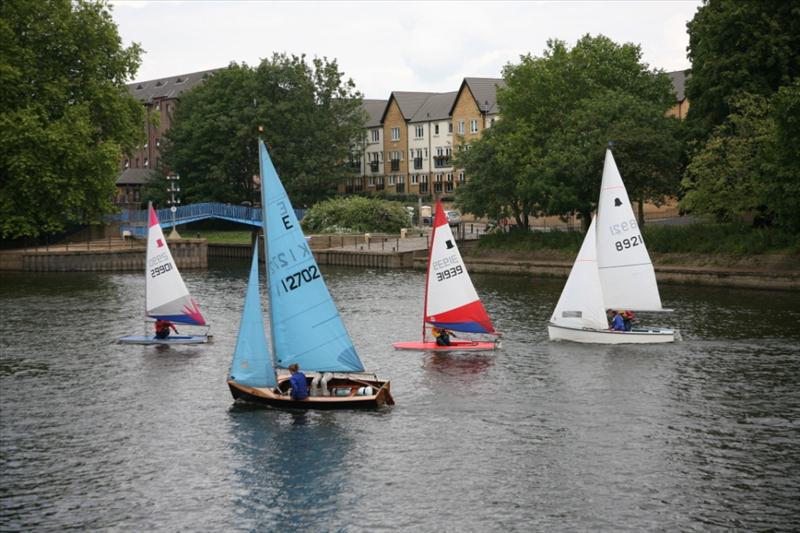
x: 705, y: 239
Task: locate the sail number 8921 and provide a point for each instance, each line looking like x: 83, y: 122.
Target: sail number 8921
x: 624, y: 244
x: 293, y: 281
x: 449, y: 273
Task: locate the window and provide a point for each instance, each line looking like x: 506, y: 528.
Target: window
x: 461, y: 176
x: 473, y: 126
x: 395, y: 134
x: 438, y: 178
x: 420, y: 132
x: 146, y: 162
x: 370, y: 181
x: 450, y: 177
x: 158, y: 143
x: 491, y: 123
x: 127, y: 163
x: 449, y: 127
x: 376, y: 136
x: 436, y: 129
x: 424, y: 178
x: 461, y: 127
x: 391, y: 180
x: 414, y: 178
x: 448, y: 187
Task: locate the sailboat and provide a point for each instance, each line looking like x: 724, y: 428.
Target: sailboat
x: 306, y: 328
x: 166, y: 295
x: 451, y: 301
x: 612, y: 271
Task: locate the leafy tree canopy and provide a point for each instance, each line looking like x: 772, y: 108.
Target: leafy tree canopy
x: 748, y: 46
x: 558, y: 112
x: 311, y: 117
x: 66, y: 116
x: 356, y: 214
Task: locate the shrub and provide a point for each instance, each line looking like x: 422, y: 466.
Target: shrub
x: 356, y: 214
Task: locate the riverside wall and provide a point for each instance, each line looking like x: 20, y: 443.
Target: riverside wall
x: 187, y: 253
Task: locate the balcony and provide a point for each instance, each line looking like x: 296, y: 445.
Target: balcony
x: 417, y: 163
x: 374, y: 166
x: 423, y: 187
x: 441, y: 161
x: 400, y: 187
x: 395, y: 164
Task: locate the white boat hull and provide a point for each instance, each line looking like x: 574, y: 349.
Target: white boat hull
x: 597, y: 336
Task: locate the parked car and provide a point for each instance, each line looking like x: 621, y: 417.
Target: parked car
x: 453, y: 217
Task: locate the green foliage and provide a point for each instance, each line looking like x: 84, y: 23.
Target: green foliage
x: 782, y: 178
x: 730, y: 238
x: 356, y: 214
x: 724, y: 178
x: 311, y: 117
x: 739, y: 47
x: 66, y: 116
x: 559, y: 112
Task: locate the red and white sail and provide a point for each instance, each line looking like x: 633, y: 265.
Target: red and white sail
x: 450, y: 298
x: 166, y: 294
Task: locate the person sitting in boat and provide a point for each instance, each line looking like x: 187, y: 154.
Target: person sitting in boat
x: 627, y: 319
x: 298, y: 383
x: 617, y: 324
x: 442, y: 336
x: 163, y: 327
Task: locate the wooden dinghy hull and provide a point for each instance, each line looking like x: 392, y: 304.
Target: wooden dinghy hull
x: 271, y: 397
x: 174, y: 339
x: 455, y: 346
x: 596, y: 336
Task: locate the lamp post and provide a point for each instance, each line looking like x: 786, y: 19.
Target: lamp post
x: 174, y: 201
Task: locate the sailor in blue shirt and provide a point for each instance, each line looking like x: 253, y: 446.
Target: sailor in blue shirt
x: 298, y: 382
x: 617, y: 324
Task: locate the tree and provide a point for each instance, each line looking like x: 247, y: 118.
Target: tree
x: 356, y: 214
x: 66, y: 115
x: 748, y: 46
x: 311, y: 117
x: 558, y: 112
x: 724, y: 178
x: 644, y: 143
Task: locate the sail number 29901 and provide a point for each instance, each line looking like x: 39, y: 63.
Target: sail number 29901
x: 294, y: 281
x: 449, y: 273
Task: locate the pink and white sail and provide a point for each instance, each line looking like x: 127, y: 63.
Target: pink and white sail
x: 166, y: 294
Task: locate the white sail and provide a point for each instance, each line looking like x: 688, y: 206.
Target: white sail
x: 166, y: 294
x: 626, y: 272
x: 581, y: 301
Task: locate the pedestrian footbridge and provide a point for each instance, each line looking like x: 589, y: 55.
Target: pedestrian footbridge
x: 134, y: 222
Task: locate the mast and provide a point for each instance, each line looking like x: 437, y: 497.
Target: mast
x: 428, y: 269
x: 266, y: 245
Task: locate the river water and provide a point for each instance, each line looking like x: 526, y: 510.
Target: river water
x: 703, y: 434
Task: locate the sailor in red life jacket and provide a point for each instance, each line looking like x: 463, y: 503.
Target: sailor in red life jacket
x: 162, y: 328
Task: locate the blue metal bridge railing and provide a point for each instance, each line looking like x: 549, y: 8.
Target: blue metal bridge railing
x: 135, y: 221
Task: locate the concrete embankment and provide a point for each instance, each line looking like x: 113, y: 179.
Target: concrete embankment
x: 108, y: 255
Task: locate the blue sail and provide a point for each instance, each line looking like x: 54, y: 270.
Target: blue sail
x: 306, y: 326
x: 252, y: 365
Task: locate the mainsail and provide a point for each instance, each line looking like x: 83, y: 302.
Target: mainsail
x: 450, y: 298
x: 626, y: 272
x: 165, y: 293
x: 306, y: 326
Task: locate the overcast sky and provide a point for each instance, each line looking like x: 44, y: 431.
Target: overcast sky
x: 392, y: 46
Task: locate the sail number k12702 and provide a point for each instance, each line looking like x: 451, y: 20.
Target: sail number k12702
x: 294, y: 281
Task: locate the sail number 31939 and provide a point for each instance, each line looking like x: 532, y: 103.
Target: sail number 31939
x: 449, y: 273
x: 294, y: 281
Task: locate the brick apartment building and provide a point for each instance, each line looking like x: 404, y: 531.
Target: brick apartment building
x: 408, y: 144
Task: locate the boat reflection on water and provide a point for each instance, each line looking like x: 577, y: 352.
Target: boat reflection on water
x: 290, y: 469
x: 458, y: 364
